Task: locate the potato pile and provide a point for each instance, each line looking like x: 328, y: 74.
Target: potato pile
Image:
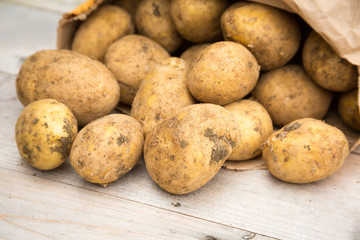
x: 205, y: 81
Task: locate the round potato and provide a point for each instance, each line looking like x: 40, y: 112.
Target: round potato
x: 197, y: 20
x: 348, y: 109
x: 288, y: 93
x: 130, y: 59
x: 304, y: 151
x: 326, y: 67
x: 272, y: 35
x: 162, y: 92
x: 102, y: 28
x: 190, y: 54
x: 85, y: 85
x: 153, y: 20
x: 255, y: 127
x: 45, y: 131
x: 189, y: 147
x: 107, y: 148
x: 224, y: 72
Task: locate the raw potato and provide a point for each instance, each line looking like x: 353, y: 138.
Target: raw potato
x: 189, y: 147
x: 45, y: 131
x: 101, y: 29
x: 349, y: 110
x: 326, y: 67
x: 224, y: 72
x: 85, y: 85
x: 162, y: 92
x: 255, y: 127
x: 271, y: 34
x: 193, y: 52
x: 306, y: 150
x: 153, y: 20
x: 288, y: 93
x: 107, y: 148
x: 130, y: 59
x: 197, y: 20
x: 129, y: 5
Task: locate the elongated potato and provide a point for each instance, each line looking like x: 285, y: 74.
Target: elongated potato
x: 188, y: 148
x: 305, y: 150
x: 107, y: 148
x: 45, y: 131
x: 348, y: 109
x: 162, y: 92
x: 85, y: 85
x: 288, y: 93
x: 102, y: 28
x: 224, y: 72
x: 130, y: 59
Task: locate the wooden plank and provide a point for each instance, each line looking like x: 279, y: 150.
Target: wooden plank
x: 251, y: 200
x: 53, y: 5
x: 43, y: 209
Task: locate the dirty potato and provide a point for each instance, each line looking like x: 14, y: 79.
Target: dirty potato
x: 271, y: 34
x: 190, y: 54
x: 306, y: 150
x: 45, y: 131
x: 288, y: 93
x: 130, y: 59
x: 189, y: 147
x: 107, y: 148
x: 85, y: 85
x: 348, y: 109
x: 153, y: 20
x: 255, y: 127
x: 197, y: 20
x: 326, y: 67
x: 224, y: 72
x: 162, y: 92
x: 102, y: 28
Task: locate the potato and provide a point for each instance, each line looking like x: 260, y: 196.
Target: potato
x: 107, y: 148
x: 348, y: 109
x: 102, y: 28
x: 130, y: 59
x: 272, y: 35
x: 197, y: 20
x: 255, y: 127
x: 129, y: 5
x: 326, y: 67
x: 189, y: 147
x: 306, y: 150
x: 45, y: 131
x: 288, y: 93
x: 224, y: 72
x: 162, y: 92
x: 153, y: 20
x: 86, y: 86
x: 190, y: 54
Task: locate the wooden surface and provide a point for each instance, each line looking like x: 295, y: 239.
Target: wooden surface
x: 58, y: 204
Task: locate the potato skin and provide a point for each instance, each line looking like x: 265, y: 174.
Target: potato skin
x: 102, y: 28
x: 224, y: 72
x: 107, y: 148
x: 129, y: 5
x: 288, y: 93
x: 197, y: 20
x: 326, y: 67
x: 131, y: 58
x: 190, y: 54
x: 162, y: 92
x: 189, y: 147
x: 272, y: 35
x: 153, y: 20
x: 349, y: 110
x: 255, y: 127
x: 45, y: 131
x: 304, y: 151
x: 85, y: 85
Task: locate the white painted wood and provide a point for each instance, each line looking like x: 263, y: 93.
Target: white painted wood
x: 35, y: 208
